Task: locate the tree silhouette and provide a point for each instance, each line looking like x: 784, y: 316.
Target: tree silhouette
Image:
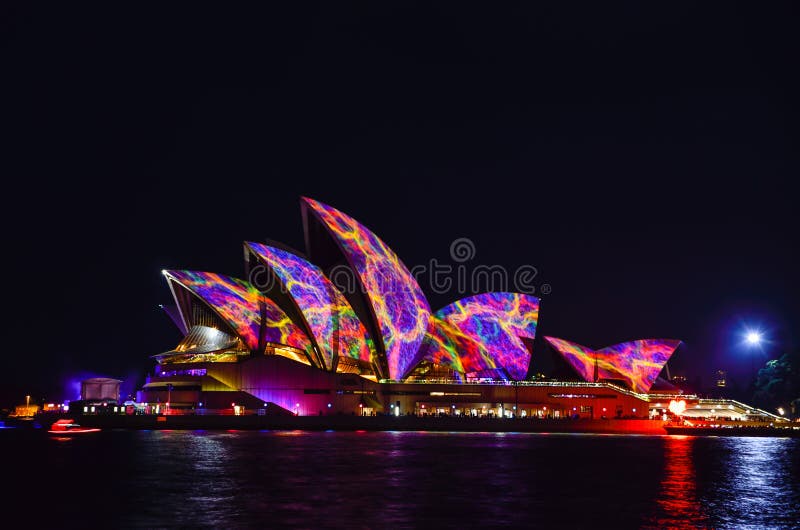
x: 778, y: 384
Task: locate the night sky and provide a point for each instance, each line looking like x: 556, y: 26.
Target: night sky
x: 641, y: 159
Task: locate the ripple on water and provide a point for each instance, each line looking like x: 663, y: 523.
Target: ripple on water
x: 304, y: 479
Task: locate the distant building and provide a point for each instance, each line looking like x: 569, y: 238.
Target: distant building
x: 24, y: 411
x: 100, y: 389
x: 722, y: 381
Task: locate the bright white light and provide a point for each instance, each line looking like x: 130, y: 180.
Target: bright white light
x: 781, y: 411
x: 753, y: 338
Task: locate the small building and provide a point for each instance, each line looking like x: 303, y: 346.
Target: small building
x: 25, y: 411
x: 100, y: 389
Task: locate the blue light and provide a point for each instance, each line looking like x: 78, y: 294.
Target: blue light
x: 753, y: 338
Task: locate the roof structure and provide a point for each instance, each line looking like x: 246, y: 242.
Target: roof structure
x: 485, y: 332
x: 637, y: 362
x: 256, y: 319
x: 396, y: 301
x: 333, y: 324
x: 384, y: 325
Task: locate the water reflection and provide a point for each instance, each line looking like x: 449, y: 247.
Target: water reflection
x: 677, y: 502
x: 751, y: 480
x: 222, y: 479
x: 727, y: 482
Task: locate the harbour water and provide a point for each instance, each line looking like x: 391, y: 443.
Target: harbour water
x: 249, y: 479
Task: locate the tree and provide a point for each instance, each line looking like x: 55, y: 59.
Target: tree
x: 778, y: 384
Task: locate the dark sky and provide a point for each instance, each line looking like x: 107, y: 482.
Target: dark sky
x: 641, y: 158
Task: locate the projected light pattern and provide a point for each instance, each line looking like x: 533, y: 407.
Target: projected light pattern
x: 398, y: 304
x: 446, y: 345
x: 237, y: 303
x: 637, y: 362
x: 335, y: 326
x: 485, y: 332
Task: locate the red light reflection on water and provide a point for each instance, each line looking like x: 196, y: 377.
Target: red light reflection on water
x: 677, y: 502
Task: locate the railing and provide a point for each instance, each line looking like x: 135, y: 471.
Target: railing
x: 504, y: 382
x: 743, y: 407
x: 202, y: 412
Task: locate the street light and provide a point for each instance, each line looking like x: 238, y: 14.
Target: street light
x: 753, y: 338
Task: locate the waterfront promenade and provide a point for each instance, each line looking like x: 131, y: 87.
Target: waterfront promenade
x: 365, y: 423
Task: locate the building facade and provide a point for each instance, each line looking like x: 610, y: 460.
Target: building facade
x: 295, y: 339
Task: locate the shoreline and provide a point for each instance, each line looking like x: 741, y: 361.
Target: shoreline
x: 401, y: 423
x: 356, y: 423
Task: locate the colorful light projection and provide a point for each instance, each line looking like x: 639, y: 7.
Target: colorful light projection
x: 237, y: 303
x: 446, y: 345
x: 335, y: 326
x: 401, y: 311
x: 485, y: 332
x: 636, y: 362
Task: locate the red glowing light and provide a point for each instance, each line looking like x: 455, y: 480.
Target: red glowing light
x: 677, y: 504
x: 67, y: 426
x: 677, y: 407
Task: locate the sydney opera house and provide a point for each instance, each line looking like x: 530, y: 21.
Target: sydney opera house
x: 293, y: 340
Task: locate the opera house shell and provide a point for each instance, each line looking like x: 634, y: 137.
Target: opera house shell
x: 345, y: 328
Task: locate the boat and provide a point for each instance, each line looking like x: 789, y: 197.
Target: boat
x: 730, y: 428
x: 68, y: 427
x: 790, y: 432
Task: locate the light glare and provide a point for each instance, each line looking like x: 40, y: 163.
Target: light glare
x: 753, y: 337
